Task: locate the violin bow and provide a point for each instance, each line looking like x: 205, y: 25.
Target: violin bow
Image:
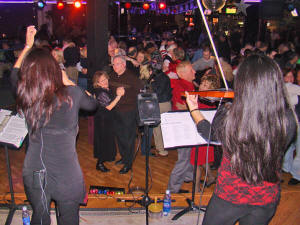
x: 212, y: 43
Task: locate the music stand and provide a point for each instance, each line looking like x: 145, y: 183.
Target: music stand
x: 12, y: 206
x: 16, y: 127
x: 173, y: 125
x: 192, y: 206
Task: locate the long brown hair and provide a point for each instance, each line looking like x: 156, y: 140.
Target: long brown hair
x: 40, y: 88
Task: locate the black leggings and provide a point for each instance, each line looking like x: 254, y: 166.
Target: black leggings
x: 67, y: 211
x: 221, y: 212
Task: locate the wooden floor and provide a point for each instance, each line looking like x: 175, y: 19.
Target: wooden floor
x: 288, y: 212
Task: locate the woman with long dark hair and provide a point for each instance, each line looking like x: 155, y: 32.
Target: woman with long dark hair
x: 51, y: 169
x: 255, y: 131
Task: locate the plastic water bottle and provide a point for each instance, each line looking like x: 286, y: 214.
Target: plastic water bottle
x: 25, y: 216
x: 167, y: 203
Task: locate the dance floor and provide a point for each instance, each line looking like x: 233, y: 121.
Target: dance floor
x: 288, y: 212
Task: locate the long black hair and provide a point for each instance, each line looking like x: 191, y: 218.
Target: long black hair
x: 255, y: 126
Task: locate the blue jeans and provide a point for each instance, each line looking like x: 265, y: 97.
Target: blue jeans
x: 291, y: 164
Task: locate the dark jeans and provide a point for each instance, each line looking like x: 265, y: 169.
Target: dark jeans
x: 222, y: 212
x: 67, y: 211
x: 125, y: 130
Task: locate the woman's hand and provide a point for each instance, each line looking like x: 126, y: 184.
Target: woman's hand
x: 88, y: 93
x: 192, y: 101
x: 120, y: 91
x: 133, y: 61
x: 30, y: 34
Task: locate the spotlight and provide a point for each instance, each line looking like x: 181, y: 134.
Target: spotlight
x: 295, y: 14
x: 146, y: 6
x: 40, y: 4
x: 127, y: 5
x: 77, y: 4
x: 214, y: 5
x: 60, y: 4
x: 162, y: 5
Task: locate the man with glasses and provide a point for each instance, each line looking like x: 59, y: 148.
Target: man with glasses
x: 125, y: 112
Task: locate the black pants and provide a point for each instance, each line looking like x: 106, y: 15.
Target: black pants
x: 67, y: 211
x: 222, y: 212
x: 125, y: 130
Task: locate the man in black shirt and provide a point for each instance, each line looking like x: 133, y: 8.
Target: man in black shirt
x: 125, y: 111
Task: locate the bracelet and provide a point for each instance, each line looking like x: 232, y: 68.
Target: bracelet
x: 194, y: 110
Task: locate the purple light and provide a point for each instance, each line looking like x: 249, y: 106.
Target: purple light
x: 251, y: 1
x: 47, y: 2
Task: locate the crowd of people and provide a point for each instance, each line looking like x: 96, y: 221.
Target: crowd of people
x: 255, y: 130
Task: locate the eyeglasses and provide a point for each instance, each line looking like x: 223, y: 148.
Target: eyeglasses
x: 118, y: 64
x: 103, y: 80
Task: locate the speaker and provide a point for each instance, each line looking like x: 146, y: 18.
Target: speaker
x: 148, y: 109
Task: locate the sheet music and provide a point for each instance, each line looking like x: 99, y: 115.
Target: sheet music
x: 15, y: 130
x: 179, y: 129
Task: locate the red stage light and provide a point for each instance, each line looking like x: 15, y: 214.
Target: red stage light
x: 60, y: 5
x: 77, y: 4
x: 162, y: 5
x: 146, y: 6
x: 127, y: 5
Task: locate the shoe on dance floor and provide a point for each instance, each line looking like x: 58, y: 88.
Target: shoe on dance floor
x: 294, y: 181
x: 125, y: 169
x: 119, y: 162
x: 102, y: 168
x: 208, y: 184
x: 182, y: 191
x: 150, y: 154
x: 162, y: 153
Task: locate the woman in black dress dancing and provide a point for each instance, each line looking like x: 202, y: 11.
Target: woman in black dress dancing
x: 50, y: 104
x: 104, y: 143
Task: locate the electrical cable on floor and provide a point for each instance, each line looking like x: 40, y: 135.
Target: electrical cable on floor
x: 130, y: 190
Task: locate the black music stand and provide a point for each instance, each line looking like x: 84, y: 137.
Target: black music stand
x: 20, y: 137
x: 12, y: 206
x: 185, y: 123
x: 192, y: 206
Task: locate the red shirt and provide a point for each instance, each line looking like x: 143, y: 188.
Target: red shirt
x: 203, y: 149
x: 173, y: 65
x: 178, y: 86
x: 232, y: 188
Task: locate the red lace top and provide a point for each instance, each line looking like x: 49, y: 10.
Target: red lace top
x: 232, y: 188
